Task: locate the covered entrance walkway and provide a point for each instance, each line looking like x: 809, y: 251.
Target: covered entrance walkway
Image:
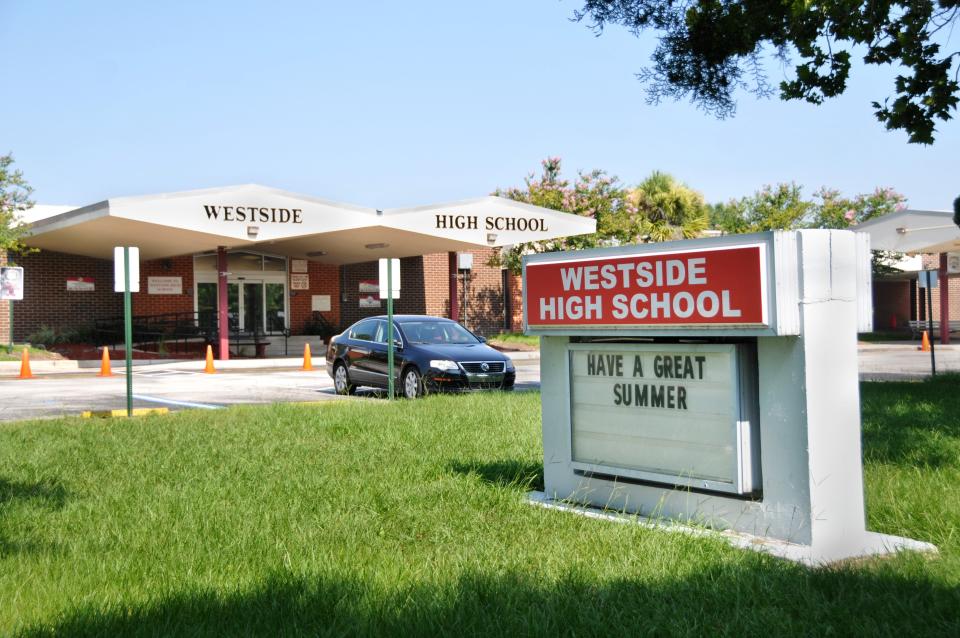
x: 257, y: 260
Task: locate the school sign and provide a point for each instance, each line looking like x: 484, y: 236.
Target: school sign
x: 712, y: 381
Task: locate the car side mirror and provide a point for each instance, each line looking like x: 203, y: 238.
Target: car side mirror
x: 482, y: 339
x: 397, y: 345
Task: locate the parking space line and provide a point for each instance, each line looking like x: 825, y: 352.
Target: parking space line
x: 185, y: 404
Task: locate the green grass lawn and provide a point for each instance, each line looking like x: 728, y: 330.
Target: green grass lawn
x: 17, y: 353
x: 364, y: 518
x: 515, y: 338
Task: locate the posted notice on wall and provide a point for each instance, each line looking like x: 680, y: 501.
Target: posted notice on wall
x: 666, y: 413
x: 725, y: 286
x: 81, y: 284
x: 369, y: 294
x: 320, y: 303
x: 164, y: 285
x: 299, y: 282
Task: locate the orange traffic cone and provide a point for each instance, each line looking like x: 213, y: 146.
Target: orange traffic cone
x: 925, y: 342
x: 25, y: 372
x: 307, y: 359
x: 105, y: 364
x: 210, y: 369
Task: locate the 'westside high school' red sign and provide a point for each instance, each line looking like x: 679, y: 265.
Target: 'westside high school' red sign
x: 724, y: 286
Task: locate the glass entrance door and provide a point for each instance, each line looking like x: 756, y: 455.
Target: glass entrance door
x: 252, y: 312
x: 252, y: 305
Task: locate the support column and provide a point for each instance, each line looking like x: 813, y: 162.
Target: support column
x: 223, y: 322
x: 944, y: 300
x: 454, y: 294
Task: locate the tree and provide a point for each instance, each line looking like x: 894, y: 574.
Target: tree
x: 835, y: 211
x: 14, y: 199
x: 777, y: 207
x: 708, y: 49
x: 783, y: 207
x: 658, y: 209
x: 661, y: 208
x: 594, y: 194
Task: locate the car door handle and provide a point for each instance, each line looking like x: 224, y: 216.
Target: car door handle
x: 361, y: 350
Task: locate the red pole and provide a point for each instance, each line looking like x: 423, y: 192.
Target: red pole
x: 944, y: 300
x: 454, y: 295
x: 223, y: 323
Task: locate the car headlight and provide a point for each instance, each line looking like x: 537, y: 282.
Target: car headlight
x: 443, y: 364
x: 510, y: 367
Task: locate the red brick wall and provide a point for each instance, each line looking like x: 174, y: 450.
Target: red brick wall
x: 324, y: 280
x: 515, y: 295
x: 147, y: 304
x: 412, y: 296
x: 891, y: 304
x: 436, y: 284
x: 425, y: 290
x: 483, y: 311
x: 932, y: 262
x: 46, y: 299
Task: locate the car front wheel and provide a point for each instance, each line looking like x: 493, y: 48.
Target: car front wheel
x: 412, y: 386
x: 341, y: 380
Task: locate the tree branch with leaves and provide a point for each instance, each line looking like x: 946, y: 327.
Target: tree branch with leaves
x: 14, y: 199
x: 708, y: 49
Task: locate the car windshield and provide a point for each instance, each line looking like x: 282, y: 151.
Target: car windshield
x: 437, y: 332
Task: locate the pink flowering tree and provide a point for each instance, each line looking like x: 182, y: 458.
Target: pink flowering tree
x: 593, y: 194
x: 835, y: 211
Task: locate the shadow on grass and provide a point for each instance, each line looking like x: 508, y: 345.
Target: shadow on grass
x: 505, y: 473
x: 47, y: 495
x: 731, y: 600
x: 914, y: 423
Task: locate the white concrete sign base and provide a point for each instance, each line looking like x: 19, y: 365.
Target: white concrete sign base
x: 748, y: 422
x: 872, y: 544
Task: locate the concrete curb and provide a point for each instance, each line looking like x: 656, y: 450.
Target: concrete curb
x: 8, y: 368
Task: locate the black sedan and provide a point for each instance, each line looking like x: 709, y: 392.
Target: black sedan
x: 430, y: 354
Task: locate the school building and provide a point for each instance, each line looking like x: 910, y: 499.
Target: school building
x: 252, y: 260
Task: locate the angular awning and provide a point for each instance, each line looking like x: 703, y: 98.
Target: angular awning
x: 913, y: 231
x: 284, y: 223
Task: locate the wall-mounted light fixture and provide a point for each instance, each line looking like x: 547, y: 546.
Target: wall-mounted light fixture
x: 253, y: 231
x: 316, y: 253
x: 491, y: 238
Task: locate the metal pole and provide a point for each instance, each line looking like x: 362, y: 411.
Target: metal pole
x: 389, y: 329
x: 128, y: 328
x: 10, y: 347
x: 933, y: 358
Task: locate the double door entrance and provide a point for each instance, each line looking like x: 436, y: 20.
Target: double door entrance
x: 252, y: 305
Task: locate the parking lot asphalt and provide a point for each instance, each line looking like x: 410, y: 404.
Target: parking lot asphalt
x: 182, y: 385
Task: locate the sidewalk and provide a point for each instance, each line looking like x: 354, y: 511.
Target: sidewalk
x: 12, y: 368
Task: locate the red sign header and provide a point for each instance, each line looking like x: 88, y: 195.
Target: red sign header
x: 724, y: 286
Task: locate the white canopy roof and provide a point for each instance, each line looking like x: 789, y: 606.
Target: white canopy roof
x: 284, y: 223
x: 913, y: 231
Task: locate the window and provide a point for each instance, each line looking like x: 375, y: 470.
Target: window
x: 365, y: 330
x: 241, y: 261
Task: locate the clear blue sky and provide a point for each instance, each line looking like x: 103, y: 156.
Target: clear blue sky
x: 400, y: 103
